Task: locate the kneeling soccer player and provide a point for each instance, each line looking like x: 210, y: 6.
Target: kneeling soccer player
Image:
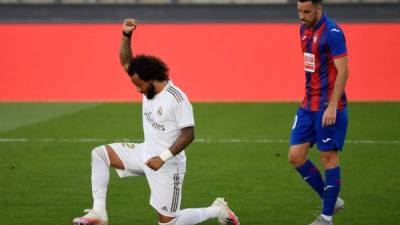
x: 168, y: 125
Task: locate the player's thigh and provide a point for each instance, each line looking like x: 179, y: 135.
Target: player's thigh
x: 332, y: 137
x: 303, y: 130
x: 115, y: 161
x: 166, y: 192
x: 130, y: 156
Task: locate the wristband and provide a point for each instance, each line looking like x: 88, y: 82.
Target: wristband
x: 166, y: 155
x: 127, y: 34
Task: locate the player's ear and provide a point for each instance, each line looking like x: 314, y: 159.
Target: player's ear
x: 319, y: 9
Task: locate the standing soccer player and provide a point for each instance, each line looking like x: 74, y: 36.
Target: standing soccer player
x: 322, y: 117
x: 168, y: 126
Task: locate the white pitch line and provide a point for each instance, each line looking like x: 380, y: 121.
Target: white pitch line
x: 198, y: 140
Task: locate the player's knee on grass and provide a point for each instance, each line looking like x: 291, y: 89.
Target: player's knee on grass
x: 100, y: 153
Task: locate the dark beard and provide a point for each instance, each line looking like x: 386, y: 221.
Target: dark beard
x: 151, y: 92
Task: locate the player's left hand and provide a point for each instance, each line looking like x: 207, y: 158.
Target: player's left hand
x: 155, y: 163
x: 329, y: 117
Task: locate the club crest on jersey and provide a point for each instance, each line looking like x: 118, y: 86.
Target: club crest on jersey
x: 159, y: 111
x: 315, y: 38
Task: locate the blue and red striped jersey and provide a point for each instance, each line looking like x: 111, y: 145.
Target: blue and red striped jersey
x: 321, y: 44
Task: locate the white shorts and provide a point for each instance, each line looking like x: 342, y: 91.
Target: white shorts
x: 165, y: 185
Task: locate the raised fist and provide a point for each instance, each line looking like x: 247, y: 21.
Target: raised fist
x: 129, y: 25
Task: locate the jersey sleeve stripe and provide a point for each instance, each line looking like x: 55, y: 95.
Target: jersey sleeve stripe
x: 175, y: 93
x: 175, y: 96
x: 340, y: 56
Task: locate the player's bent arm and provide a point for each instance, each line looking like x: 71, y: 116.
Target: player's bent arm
x: 125, y: 52
x: 185, y: 138
x: 341, y: 65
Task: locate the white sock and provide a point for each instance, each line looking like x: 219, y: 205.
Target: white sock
x: 327, y: 218
x: 100, y: 178
x: 197, y: 215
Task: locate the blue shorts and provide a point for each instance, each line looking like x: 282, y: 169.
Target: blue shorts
x: 307, y: 128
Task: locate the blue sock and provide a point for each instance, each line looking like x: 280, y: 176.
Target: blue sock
x: 332, y: 177
x: 312, y: 176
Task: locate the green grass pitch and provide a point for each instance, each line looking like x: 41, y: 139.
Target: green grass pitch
x: 240, y: 153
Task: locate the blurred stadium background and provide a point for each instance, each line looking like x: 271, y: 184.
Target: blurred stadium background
x: 62, y: 92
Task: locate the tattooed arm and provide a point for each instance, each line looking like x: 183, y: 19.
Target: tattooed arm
x: 185, y: 138
x: 125, y: 51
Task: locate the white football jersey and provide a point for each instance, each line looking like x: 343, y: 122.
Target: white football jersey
x: 163, y: 117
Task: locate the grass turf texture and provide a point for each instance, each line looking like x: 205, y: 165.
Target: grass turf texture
x: 45, y: 163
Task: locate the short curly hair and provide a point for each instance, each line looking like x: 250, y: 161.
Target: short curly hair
x: 148, y: 68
